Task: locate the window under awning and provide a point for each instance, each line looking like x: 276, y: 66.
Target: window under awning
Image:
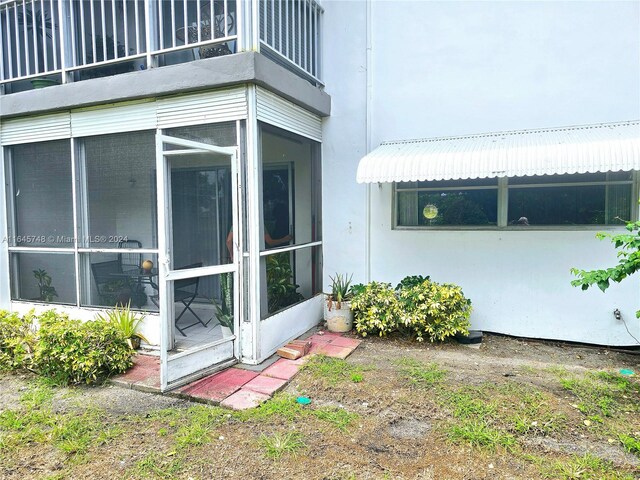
x: 580, y: 149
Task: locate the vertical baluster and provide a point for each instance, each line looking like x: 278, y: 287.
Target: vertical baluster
x: 16, y: 34
x: 173, y: 23
x: 34, y: 36
x: 83, y: 39
x: 125, y: 26
x: 2, y: 77
x: 287, y: 37
x: 103, y: 24
x: 226, y: 22
x: 26, y: 38
x: 74, y: 35
x: 114, y: 29
x: 298, y: 32
x: 272, y: 17
x: 185, y: 22
x: 136, y: 15
x: 160, y: 21
x: 93, y: 31
x: 44, y: 36
x: 265, y: 20
x: 280, y: 26
x: 212, y: 20
x: 305, y: 18
x: 315, y: 38
x: 9, y: 45
x: 198, y: 21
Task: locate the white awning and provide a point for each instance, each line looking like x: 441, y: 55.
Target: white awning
x: 582, y: 149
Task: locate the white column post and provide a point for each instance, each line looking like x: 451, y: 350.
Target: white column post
x: 5, y: 291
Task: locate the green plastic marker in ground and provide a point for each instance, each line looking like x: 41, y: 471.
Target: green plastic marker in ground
x: 624, y: 371
x: 303, y: 400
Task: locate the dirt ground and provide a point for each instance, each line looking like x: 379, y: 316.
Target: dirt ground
x: 396, y: 427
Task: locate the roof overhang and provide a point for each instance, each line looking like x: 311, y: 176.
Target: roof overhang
x: 580, y: 149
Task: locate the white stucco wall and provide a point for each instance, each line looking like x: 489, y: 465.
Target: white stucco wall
x: 450, y: 68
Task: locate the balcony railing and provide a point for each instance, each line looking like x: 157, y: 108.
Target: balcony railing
x: 291, y: 30
x: 70, y: 40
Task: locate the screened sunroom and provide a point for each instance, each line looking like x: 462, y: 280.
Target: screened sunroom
x: 197, y: 211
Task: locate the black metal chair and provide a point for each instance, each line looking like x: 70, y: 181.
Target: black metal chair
x: 111, y: 289
x: 130, y: 261
x: 185, y: 291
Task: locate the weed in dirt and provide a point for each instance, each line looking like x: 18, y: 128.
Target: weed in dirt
x: 338, y: 417
x: 74, y: 434
x: 332, y: 371
x: 630, y: 443
x: 281, y: 405
x: 285, y: 407
x: 156, y: 465
x: 279, y: 444
x: 37, y: 395
x: 478, y: 433
x: 579, y: 468
x: 602, y: 394
x: 467, y: 402
x: 424, y: 375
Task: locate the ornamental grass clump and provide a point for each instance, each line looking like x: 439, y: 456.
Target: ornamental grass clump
x: 418, y: 307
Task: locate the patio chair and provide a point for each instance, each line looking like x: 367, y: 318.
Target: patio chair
x: 130, y: 261
x: 111, y: 289
x: 185, y: 291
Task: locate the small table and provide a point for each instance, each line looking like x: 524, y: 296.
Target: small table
x: 140, y: 277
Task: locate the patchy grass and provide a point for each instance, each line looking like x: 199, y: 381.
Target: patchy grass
x: 279, y: 444
x: 631, y: 443
x: 587, y: 466
x: 601, y: 394
x: 419, y: 374
x: 158, y: 465
x: 332, y: 371
x: 478, y: 433
x: 421, y: 419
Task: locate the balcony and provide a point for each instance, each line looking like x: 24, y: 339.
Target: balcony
x: 48, y: 42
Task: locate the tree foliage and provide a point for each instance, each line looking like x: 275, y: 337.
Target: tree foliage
x: 628, y: 246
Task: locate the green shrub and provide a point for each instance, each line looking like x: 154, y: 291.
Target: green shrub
x: 72, y: 351
x: 433, y: 312
x: 418, y: 307
x: 17, y: 341
x: 376, y: 309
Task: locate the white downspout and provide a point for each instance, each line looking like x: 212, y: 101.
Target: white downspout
x: 369, y: 90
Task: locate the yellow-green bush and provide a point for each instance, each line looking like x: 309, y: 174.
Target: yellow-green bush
x: 376, y: 309
x: 72, y: 351
x: 432, y: 311
x: 69, y: 351
x: 17, y: 341
x: 418, y: 307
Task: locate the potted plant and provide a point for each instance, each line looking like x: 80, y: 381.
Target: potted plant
x: 224, y: 309
x: 337, y: 311
x: 127, y: 322
x: 47, y: 291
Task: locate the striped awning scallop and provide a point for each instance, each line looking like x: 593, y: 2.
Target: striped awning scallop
x: 606, y: 147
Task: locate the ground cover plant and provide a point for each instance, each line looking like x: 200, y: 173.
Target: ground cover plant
x: 510, y: 409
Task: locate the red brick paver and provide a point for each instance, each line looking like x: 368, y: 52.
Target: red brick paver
x: 219, y: 386
x: 283, y: 368
x: 243, y: 399
x: 265, y: 384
